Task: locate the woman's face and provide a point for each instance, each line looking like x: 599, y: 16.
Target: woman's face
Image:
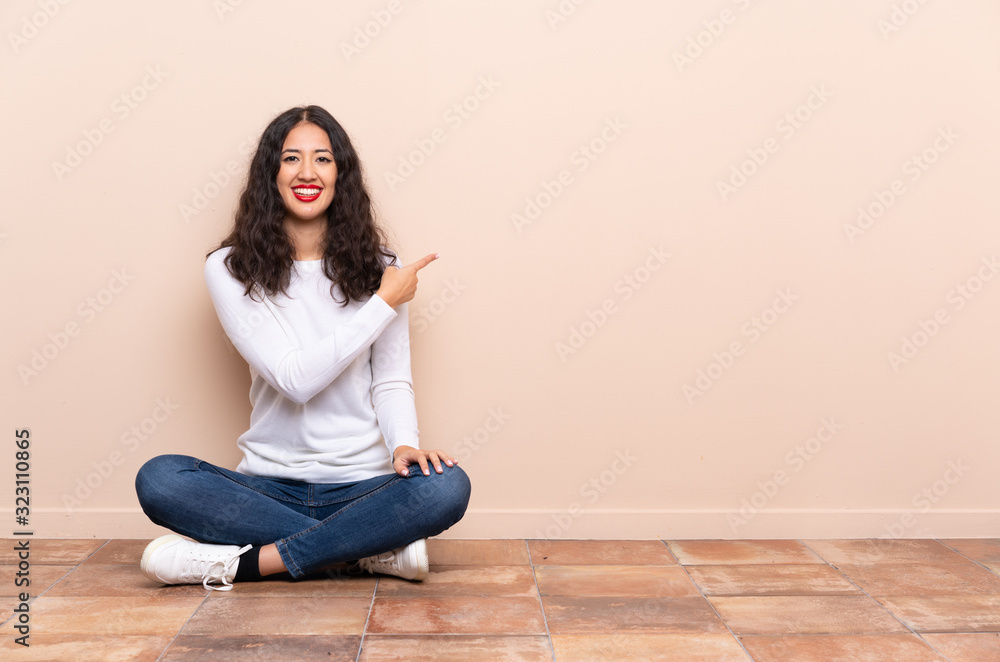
x: 308, y: 173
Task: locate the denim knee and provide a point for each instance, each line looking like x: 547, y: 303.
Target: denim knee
x: 456, y: 489
x: 153, y: 472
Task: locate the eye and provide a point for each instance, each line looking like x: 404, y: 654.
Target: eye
x: 290, y: 157
x: 325, y: 159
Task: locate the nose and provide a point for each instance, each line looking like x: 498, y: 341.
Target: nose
x: 307, y: 171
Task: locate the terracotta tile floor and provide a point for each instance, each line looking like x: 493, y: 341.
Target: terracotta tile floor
x: 716, y: 600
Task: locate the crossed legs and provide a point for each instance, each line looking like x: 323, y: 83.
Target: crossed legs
x: 300, y: 527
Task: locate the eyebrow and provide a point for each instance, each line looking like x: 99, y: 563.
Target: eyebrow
x: 293, y: 149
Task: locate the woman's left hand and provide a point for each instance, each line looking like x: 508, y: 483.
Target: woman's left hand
x: 404, y: 456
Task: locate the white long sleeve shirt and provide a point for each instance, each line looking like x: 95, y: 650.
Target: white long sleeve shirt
x: 331, y: 387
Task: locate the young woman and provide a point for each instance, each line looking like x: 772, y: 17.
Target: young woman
x: 332, y: 470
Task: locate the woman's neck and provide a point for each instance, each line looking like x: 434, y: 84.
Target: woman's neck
x: 308, y: 237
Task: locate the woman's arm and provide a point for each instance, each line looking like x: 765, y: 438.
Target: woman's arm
x: 392, y: 390
x: 296, y: 373
x: 392, y: 384
x: 392, y: 395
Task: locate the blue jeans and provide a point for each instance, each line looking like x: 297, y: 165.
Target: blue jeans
x: 314, y: 525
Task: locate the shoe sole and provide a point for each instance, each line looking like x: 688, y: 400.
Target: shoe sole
x: 147, y: 554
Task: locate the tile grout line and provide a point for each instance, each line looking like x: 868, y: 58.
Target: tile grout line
x: 371, y: 608
x: 183, y: 625
x: 705, y: 598
x: 938, y: 541
x: 963, y: 555
x: 170, y: 643
x: 907, y: 629
x: 56, y: 582
x: 896, y: 618
x: 541, y: 605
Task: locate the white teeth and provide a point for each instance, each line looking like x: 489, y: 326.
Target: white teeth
x: 307, y: 191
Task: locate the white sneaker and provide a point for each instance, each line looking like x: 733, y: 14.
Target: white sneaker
x: 171, y: 559
x: 409, y: 562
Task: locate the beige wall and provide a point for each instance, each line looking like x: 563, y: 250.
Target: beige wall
x: 664, y: 347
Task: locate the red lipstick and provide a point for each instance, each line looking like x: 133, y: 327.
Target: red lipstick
x: 307, y: 198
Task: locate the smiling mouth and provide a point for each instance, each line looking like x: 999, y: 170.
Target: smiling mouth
x: 306, y: 193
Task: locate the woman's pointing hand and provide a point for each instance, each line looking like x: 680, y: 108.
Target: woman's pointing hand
x: 399, y: 284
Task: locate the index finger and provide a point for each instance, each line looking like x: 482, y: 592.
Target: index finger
x: 423, y: 262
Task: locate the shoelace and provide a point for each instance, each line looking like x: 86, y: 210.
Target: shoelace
x: 217, y: 571
x: 371, y: 564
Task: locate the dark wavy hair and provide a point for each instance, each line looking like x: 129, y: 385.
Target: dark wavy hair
x: 262, y: 253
